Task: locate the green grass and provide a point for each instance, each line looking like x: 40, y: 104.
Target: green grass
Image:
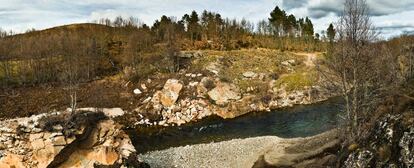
x: 297, y: 80
x: 13, y: 65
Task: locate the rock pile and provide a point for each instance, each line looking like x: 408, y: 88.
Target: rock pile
x: 390, y: 144
x: 187, y: 111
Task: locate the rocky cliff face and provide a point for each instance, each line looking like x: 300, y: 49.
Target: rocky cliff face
x: 60, y: 139
x: 390, y: 144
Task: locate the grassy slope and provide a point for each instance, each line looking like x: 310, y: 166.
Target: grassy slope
x: 266, y: 61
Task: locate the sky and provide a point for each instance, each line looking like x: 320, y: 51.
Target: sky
x: 390, y: 17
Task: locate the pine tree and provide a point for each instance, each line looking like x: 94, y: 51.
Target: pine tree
x: 330, y: 33
x: 291, y: 25
x: 278, y: 18
x: 308, y: 28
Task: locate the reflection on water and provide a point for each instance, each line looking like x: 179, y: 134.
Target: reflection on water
x: 299, y: 121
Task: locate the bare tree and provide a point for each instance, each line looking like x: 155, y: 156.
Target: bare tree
x: 362, y: 70
x: 70, y: 67
x: 408, y: 55
x: 172, y: 49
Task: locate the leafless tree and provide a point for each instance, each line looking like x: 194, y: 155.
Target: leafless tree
x: 362, y: 70
x: 172, y: 47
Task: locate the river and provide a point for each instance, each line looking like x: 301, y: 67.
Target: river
x: 297, y: 121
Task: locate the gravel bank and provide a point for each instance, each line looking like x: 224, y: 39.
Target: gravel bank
x: 237, y: 153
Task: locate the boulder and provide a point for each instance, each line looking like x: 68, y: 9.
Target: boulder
x: 223, y: 93
x: 169, y: 94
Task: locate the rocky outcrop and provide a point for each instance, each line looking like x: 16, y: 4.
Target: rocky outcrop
x: 61, y: 139
x: 316, y: 151
x: 390, y: 144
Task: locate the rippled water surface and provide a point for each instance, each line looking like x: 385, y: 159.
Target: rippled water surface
x: 298, y: 121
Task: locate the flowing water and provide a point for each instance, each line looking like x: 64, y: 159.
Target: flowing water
x: 298, y: 121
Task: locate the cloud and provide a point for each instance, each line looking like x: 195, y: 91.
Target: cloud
x: 321, y: 8
x: 290, y: 4
x: 20, y: 15
x: 390, y: 17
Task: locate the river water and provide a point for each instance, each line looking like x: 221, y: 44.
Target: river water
x: 297, y: 121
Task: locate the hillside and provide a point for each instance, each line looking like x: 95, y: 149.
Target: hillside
x: 75, y: 28
x: 256, y: 72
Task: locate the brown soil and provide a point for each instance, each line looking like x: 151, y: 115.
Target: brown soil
x: 27, y: 101
x: 110, y: 92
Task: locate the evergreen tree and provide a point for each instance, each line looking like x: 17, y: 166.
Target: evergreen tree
x: 308, y: 28
x: 277, y: 19
x: 193, y: 26
x: 291, y: 24
x: 330, y: 33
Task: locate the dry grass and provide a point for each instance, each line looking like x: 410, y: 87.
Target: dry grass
x: 235, y: 63
x: 240, y: 61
